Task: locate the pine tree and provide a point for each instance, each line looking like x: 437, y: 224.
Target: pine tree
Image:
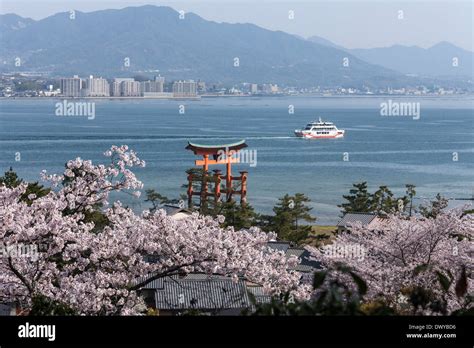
x: 359, y: 200
x: 238, y: 215
x: 156, y: 199
x: 289, y: 212
x: 11, y: 180
x: 434, y: 207
x: 383, y: 202
x: 410, y: 193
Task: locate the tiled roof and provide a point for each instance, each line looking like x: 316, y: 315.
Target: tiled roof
x: 154, y: 284
x: 213, y: 292
x: 159, y: 283
x: 203, y: 294
x: 173, y: 210
x: 305, y: 265
x: 304, y: 268
x: 259, y: 294
x: 294, y: 252
x: 351, y: 218
x: 280, y: 246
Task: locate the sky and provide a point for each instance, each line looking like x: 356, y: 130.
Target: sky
x: 349, y: 23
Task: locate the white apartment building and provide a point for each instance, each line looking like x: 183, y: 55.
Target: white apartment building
x: 130, y: 89
x: 71, y: 86
x: 184, y: 89
x: 97, y: 87
x: 156, y: 86
x: 125, y: 87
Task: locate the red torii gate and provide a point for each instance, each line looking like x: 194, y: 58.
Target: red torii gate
x: 218, y: 154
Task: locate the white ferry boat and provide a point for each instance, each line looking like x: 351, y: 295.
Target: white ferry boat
x: 320, y: 130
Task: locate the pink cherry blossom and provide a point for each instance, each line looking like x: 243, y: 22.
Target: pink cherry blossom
x: 99, y: 272
x: 403, y: 253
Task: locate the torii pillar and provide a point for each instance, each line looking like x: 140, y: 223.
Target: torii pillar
x: 214, y: 155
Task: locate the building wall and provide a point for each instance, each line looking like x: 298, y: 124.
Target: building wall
x: 130, y: 89
x: 151, y: 87
x: 183, y: 89
x: 97, y: 87
x: 71, y: 87
x: 115, y: 89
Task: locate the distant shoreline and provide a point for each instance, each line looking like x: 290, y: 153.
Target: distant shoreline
x: 247, y: 96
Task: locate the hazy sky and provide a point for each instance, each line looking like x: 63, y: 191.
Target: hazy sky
x: 350, y: 23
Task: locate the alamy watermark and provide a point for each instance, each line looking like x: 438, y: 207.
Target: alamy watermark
x: 354, y: 251
x: 243, y: 156
x: 20, y: 250
x: 28, y: 330
x: 394, y: 108
x: 68, y: 108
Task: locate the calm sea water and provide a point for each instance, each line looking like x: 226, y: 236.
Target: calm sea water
x: 389, y: 151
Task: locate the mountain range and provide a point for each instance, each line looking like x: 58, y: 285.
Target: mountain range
x: 154, y: 39
x: 441, y: 60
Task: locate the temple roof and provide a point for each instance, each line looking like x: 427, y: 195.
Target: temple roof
x: 200, y: 149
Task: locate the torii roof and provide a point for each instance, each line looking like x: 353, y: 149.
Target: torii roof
x: 201, y: 149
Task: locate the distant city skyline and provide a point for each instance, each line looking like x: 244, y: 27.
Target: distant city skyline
x: 349, y: 23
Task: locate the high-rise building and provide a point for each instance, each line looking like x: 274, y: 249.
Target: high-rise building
x: 184, y: 89
x: 125, y: 87
x: 155, y: 86
x: 130, y: 88
x: 115, y: 89
x: 97, y: 87
x: 71, y: 86
x: 160, y: 79
x: 253, y: 88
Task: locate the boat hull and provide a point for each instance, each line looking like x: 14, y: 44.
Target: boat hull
x: 309, y: 135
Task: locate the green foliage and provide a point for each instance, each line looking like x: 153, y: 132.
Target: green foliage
x: 43, y: 306
x: 201, y: 178
x: 99, y: 219
x: 359, y: 199
x: 289, y: 212
x: 340, y: 291
x: 420, y: 299
x: 333, y: 295
x: 11, y: 180
x: 470, y: 211
x: 411, y: 193
x: 433, y: 208
x: 237, y: 215
x: 151, y: 312
x: 461, y: 285
x: 25, y: 85
x: 382, y: 202
x: 444, y: 281
x: 155, y: 199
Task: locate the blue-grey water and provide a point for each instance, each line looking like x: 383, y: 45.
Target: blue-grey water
x: 389, y: 151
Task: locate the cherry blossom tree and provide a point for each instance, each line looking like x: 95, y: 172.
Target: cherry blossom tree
x: 403, y: 255
x: 97, y: 269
